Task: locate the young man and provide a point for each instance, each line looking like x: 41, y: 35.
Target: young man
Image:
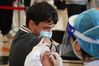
x: 40, y: 19
x: 85, y: 27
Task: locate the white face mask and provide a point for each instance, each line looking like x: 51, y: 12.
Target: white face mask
x: 46, y: 34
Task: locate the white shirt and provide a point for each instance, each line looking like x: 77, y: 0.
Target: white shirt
x: 33, y: 58
x: 92, y: 63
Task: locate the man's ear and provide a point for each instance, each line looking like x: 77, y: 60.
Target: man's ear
x: 31, y: 24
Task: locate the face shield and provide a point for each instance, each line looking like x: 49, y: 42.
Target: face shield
x: 88, y: 40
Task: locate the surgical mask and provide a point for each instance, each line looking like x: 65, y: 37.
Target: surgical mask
x: 46, y: 34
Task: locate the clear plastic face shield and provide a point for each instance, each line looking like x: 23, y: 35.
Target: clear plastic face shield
x: 72, y: 32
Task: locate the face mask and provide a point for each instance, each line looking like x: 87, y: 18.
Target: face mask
x: 46, y: 34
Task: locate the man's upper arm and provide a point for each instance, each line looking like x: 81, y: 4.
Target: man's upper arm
x: 46, y: 61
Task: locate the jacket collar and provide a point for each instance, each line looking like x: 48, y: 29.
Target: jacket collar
x: 25, y: 29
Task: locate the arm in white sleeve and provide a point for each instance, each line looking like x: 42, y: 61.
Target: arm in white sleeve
x: 34, y: 57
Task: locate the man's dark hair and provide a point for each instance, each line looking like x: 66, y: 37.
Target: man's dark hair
x: 41, y: 12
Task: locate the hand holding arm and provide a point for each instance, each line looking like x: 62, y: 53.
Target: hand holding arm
x: 56, y: 59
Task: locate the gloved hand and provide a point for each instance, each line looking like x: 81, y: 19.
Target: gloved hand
x: 56, y: 59
x: 35, y: 56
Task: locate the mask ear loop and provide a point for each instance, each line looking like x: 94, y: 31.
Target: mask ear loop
x: 78, y: 55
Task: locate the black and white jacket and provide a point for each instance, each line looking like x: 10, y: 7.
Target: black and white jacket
x: 22, y: 45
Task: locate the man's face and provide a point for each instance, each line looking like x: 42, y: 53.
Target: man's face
x: 43, y: 26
